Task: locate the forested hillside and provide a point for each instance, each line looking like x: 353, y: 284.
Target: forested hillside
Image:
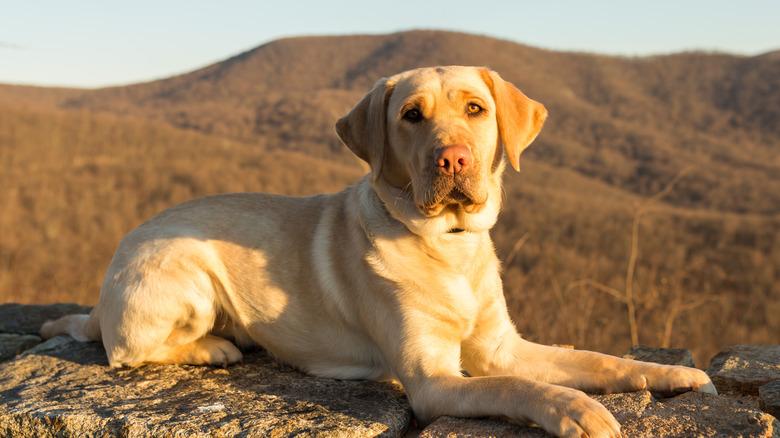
x: 80, y: 168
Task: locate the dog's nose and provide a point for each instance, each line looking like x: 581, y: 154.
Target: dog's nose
x: 453, y: 160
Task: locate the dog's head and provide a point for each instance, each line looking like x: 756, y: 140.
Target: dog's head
x: 433, y: 138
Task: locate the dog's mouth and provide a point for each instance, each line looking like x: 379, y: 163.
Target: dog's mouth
x: 456, y: 197
x: 454, y: 193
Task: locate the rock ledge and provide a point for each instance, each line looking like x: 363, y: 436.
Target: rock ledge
x: 64, y: 388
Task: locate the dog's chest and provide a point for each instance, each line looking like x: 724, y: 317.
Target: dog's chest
x: 433, y: 275
x: 423, y: 259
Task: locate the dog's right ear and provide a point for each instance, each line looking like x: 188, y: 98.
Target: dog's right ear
x: 364, y: 128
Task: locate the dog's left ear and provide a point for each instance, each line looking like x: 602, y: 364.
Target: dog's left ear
x: 364, y: 128
x: 519, y: 118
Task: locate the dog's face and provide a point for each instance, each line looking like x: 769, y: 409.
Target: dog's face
x: 433, y: 136
x: 428, y: 113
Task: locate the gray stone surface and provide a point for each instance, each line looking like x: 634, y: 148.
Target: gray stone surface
x: 666, y: 356
x: 451, y: 427
x: 742, y: 369
x: 12, y: 345
x: 22, y: 319
x: 639, y: 415
x: 769, y: 398
x: 691, y: 415
x: 64, y: 388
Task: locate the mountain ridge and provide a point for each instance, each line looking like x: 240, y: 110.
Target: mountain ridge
x: 650, y: 117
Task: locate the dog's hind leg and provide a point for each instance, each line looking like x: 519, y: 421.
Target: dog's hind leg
x: 209, y: 349
x: 83, y: 328
x: 163, y: 317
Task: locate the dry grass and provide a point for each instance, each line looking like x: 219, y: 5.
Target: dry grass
x: 702, y: 279
x: 75, y: 183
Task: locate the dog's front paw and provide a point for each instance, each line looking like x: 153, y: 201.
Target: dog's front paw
x: 570, y: 413
x: 672, y: 380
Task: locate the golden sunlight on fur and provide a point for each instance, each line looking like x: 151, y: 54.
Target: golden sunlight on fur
x: 393, y: 278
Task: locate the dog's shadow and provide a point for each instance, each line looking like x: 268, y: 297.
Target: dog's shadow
x: 64, y: 348
x: 258, y: 386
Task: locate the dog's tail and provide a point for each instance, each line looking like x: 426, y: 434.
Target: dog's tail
x: 83, y: 328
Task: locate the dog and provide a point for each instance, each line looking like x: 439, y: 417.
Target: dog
x: 395, y: 277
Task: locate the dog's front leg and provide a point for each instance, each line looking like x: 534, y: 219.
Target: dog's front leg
x: 495, y: 348
x: 427, y: 362
x: 601, y: 373
x: 564, y: 412
x: 559, y: 410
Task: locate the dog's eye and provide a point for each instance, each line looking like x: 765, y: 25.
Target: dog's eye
x: 413, y: 115
x: 474, y: 109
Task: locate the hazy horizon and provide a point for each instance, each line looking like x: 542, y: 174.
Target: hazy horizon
x: 97, y: 44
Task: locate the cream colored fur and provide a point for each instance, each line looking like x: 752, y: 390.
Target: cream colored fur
x: 393, y: 278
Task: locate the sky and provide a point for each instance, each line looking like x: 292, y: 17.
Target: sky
x: 97, y: 43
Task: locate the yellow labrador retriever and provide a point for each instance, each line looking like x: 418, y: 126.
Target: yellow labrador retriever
x: 392, y: 278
